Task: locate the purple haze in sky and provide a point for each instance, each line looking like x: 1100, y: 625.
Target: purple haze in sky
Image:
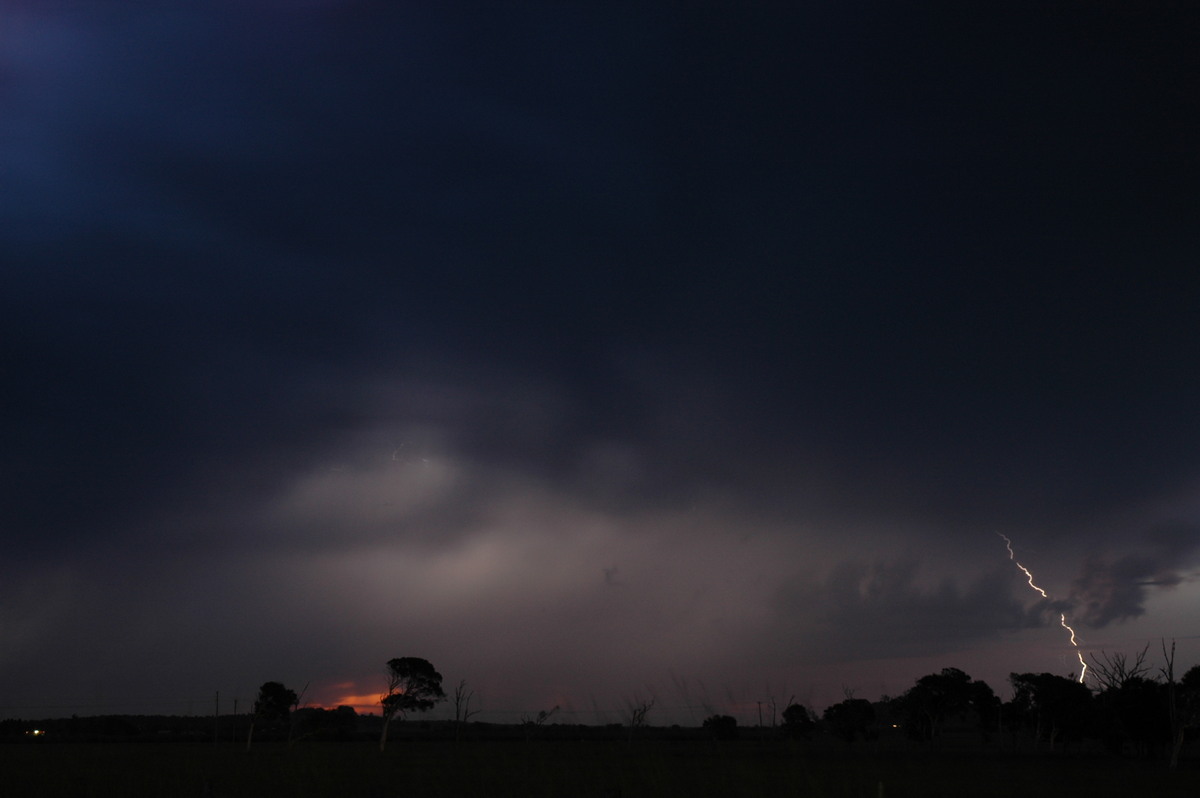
x: 592, y: 354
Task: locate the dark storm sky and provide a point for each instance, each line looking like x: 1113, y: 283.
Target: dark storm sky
x: 592, y: 351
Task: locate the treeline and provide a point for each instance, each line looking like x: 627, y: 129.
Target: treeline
x: 1127, y: 708
x: 1130, y: 709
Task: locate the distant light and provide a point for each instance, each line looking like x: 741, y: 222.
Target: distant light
x: 35, y: 732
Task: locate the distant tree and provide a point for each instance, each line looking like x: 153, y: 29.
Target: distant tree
x: 1138, y: 713
x: 721, y: 727
x: 338, y: 724
x: 933, y: 699
x: 412, y: 686
x: 540, y: 718
x: 798, y: 721
x: 774, y: 705
x: 638, y: 709
x: 1183, y: 701
x: 462, y: 707
x: 274, y: 705
x: 1190, y: 683
x: 850, y: 719
x: 987, y: 705
x: 532, y: 724
x: 1187, y: 709
x: 1135, y: 717
x: 344, y: 721
x: 1054, y: 707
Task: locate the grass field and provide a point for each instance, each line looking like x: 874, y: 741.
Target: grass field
x: 543, y: 768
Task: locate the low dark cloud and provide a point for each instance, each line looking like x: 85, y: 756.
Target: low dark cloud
x: 884, y: 609
x: 1115, y: 589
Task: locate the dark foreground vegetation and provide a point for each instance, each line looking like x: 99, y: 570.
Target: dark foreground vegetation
x: 649, y: 767
x: 1134, y: 733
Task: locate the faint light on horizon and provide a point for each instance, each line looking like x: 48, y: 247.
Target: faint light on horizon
x: 345, y: 696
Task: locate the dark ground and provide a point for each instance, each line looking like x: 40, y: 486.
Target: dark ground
x: 559, y: 768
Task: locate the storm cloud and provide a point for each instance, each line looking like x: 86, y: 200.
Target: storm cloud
x: 587, y: 353
x: 888, y: 609
x: 1111, y: 590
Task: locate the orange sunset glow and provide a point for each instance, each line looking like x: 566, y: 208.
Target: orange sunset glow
x: 347, y: 694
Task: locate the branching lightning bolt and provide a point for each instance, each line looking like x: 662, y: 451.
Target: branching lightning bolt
x: 1061, y: 616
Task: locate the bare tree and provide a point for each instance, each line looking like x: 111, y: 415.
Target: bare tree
x: 775, y: 710
x: 462, y: 707
x: 1179, y: 706
x: 638, y: 709
x: 1114, y: 671
x: 532, y: 723
x: 293, y: 717
x: 773, y: 702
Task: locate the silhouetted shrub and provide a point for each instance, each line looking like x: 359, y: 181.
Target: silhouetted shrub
x: 798, y: 722
x: 721, y: 727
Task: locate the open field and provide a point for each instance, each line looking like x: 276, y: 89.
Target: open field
x: 544, y: 768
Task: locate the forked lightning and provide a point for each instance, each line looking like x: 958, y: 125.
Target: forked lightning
x: 1061, y: 616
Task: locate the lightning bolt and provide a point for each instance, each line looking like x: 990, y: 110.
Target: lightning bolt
x: 1082, y: 665
x: 1061, y: 616
x: 1012, y: 556
x: 1063, y: 619
x: 1031, y: 584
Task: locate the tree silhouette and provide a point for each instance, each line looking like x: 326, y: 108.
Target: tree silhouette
x: 1116, y: 670
x: 1055, y: 707
x: 462, y: 707
x: 1186, y: 709
x: 1183, y: 701
x: 532, y: 724
x: 412, y: 686
x: 722, y: 727
x: 273, y: 705
x: 850, y: 719
x: 798, y: 721
x: 1134, y: 716
x: 638, y: 709
x: 337, y: 724
x: 933, y: 698
x: 987, y: 705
